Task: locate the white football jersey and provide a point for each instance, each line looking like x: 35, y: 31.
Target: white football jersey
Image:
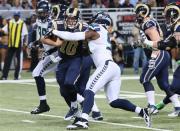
x: 42, y: 29
x: 101, y: 47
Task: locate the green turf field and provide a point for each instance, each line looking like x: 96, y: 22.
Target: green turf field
x: 17, y: 100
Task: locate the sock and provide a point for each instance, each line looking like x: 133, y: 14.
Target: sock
x: 80, y: 98
x: 42, y: 97
x: 74, y: 104
x: 95, y: 108
x: 123, y: 104
x: 138, y: 110
x: 40, y: 85
x: 166, y: 100
x: 88, y: 101
x: 85, y: 116
x: 150, y: 97
x: 174, y: 99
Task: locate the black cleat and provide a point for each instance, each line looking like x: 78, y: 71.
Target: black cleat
x: 40, y: 109
x: 147, y: 117
x: 71, y: 113
x: 97, y: 116
x: 3, y: 78
x: 79, y: 123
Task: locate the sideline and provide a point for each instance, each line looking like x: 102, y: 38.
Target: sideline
x: 54, y: 80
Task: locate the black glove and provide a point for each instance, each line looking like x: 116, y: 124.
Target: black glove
x: 167, y: 44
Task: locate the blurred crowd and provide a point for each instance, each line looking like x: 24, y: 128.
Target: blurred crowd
x: 118, y: 48
x: 31, y: 4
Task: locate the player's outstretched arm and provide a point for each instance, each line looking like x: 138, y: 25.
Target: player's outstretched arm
x: 76, y: 36
x: 69, y: 36
x: 49, y: 41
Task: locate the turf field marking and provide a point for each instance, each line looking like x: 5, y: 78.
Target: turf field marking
x: 54, y: 80
x: 101, y: 122
x: 136, y: 94
x: 137, y: 117
x: 28, y: 121
x: 139, y: 94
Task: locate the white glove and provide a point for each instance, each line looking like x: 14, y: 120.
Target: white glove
x: 144, y: 39
x: 55, y: 59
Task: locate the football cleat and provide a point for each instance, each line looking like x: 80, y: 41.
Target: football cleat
x: 97, y: 116
x: 41, y: 109
x: 174, y: 114
x: 3, y: 78
x: 152, y: 109
x: 79, y: 123
x: 160, y: 105
x: 71, y: 113
x: 147, y: 117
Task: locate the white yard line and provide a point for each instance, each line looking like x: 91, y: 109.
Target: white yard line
x: 54, y: 80
x: 28, y: 121
x: 101, y: 122
x: 129, y: 92
x: 53, y: 85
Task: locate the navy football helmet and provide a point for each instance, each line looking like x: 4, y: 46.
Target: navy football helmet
x: 43, y: 10
x: 72, y: 18
x: 172, y: 13
x: 103, y: 19
x: 142, y: 11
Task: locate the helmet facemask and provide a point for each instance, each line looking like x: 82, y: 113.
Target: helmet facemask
x: 72, y: 18
x: 71, y: 22
x: 42, y: 15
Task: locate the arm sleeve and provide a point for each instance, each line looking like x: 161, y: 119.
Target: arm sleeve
x: 69, y: 36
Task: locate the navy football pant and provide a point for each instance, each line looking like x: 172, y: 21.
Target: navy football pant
x: 67, y: 73
x: 87, y: 62
x: 157, y: 67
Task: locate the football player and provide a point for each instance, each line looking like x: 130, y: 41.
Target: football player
x: 158, y: 62
x: 74, y: 69
x: 172, y: 15
x: 107, y: 73
x: 50, y: 57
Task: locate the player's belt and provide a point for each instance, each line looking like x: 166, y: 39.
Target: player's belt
x: 107, y: 61
x: 108, y: 48
x: 51, y: 51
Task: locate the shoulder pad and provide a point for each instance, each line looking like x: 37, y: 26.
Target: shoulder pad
x: 55, y: 24
x: 148, y: 24
x: 83, y: 26
x: 177, y: 27
x: 50, y: 24
x: 94, y: 27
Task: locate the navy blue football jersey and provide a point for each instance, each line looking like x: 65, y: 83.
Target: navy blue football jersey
x: 71, y: 49
x: 149, y: 24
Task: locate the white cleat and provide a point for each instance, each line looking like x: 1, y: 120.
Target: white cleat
x: 174, y: 114
x: 79, y: 123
